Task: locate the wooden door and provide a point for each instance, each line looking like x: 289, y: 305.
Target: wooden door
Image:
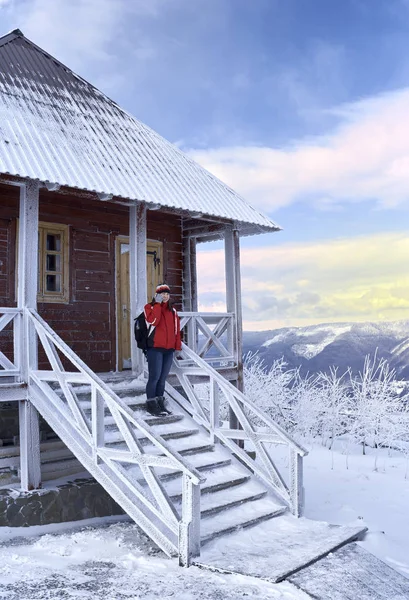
x: 154, y: 277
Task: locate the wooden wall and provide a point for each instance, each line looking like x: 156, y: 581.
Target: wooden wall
x: 88, y: 322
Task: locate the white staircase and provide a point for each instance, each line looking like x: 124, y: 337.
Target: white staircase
x: 231, y: 497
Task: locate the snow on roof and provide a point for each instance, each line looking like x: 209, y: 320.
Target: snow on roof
x: 56, y: 127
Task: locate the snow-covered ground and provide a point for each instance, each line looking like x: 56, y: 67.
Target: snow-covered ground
x: 378, y: 498
x: 104, y: 559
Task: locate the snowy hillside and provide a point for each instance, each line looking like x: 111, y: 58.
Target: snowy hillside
x: 317, y: 347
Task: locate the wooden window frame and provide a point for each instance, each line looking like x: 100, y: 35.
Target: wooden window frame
x: 43, y: 296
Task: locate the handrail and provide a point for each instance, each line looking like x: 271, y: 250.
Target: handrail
x: 264, y: 467
x: 156, y: 511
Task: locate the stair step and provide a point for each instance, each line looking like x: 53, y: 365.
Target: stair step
x: 221, y: 479
x: 56, y: 455
x: 151, y: 421
x: 121, y: 379
x: 84, y: 395
x: 204, y: 462
x: 239, y: 517
x: 10, y: 454
x: 190, y: 445
x: 60, y: 468
x: 114, y: 435
x: 136, y: 403
x: 216, y: 502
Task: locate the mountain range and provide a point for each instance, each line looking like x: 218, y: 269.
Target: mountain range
x: 317, y: 347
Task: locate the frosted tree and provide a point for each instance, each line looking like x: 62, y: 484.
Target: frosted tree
x: 271, y: 389
x: 376, y: 405
x: 337, y: 404
x: 308, y: 407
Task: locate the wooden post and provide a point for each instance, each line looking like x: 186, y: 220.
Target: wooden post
x: 193, y: 287
x: 30, y: 466
x: 230, y: 290
x: 138, y: 275
x: 187, y: 285
x: 187, y: 291
x: 239, y: 310
x: 233, y: 304
x: 193, y: 273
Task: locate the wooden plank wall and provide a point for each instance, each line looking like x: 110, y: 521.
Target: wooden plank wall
x: 88, y: 322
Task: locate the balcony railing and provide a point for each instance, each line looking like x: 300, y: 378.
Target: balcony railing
x: 210, y: 336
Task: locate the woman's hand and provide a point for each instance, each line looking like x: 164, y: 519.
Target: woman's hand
x: 158, y: 298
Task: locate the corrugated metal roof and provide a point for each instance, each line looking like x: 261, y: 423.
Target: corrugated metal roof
x: 55, y: 126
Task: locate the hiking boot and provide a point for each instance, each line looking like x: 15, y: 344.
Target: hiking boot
x: 162, y: 406
x: 152, y: 406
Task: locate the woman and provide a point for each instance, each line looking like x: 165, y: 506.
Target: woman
x: 161, y: 315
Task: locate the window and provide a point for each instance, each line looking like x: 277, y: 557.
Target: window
x: 53, y: 263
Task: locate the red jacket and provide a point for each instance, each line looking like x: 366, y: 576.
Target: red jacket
x: 167, y: 325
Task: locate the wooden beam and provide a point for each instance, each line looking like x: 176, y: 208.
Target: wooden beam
x: 25, y: 336
x: 205, y: 230
x: 205, y: 220
x: 138, y: 276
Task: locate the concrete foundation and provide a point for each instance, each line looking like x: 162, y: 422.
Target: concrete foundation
x: 72, y: 501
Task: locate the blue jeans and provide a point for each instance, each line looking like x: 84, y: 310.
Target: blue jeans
x: 159, y: 363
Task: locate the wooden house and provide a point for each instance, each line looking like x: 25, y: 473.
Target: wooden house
x: 95, y: 210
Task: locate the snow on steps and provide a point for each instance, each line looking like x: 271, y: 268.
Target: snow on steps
x: 276, y: 548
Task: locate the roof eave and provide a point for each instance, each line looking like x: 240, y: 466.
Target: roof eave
x: 245, y: 228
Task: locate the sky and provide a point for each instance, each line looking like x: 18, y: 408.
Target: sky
x: 300, y: 105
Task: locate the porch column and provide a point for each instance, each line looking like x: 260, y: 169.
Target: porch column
x: 190, y: 302
x: 187, y: 286
x: 26, y: 338
x: 233, y: 304
x: 233, y: 296
x: 193, y: 273
x: 137, y: 275
x: 239, y: 309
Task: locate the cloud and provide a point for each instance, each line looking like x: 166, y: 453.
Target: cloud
x: 365, y: 158
x: 88, y: 35
x: 356, y: 279
x: 314, y: 80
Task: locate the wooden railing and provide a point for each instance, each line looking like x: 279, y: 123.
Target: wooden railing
x: 210, y: 336
x: 126, y: 469
x: 258, y: 430
x: 10, y: 366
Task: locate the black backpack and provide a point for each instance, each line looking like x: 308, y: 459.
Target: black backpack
x: 143, y: 334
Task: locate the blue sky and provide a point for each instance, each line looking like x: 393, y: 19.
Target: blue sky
x: 300, y: 105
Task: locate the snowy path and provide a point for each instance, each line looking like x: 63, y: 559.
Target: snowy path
x: 104, y: 563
